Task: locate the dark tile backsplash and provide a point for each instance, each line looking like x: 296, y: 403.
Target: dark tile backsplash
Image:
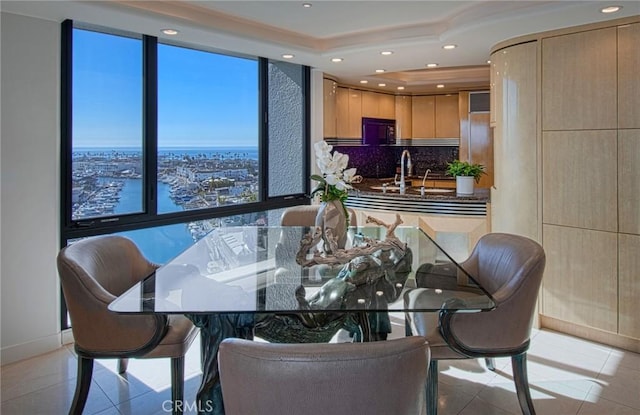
x: 381, y: 161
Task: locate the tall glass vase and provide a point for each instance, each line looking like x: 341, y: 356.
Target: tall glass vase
x: 332, y: 215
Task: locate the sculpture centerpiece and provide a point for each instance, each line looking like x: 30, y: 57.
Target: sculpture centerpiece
x: 334, y: 181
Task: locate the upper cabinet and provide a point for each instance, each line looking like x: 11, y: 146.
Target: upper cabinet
x: 628, y: 79
x: 435, y: 116
x: 377, y: 105
x: 348, y: 113
x: 423, y: 116
x: 329, y: 107
x: 579, y: 80
x: 447, y: 116
x: 403, y: 117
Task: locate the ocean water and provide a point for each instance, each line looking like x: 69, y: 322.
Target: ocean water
x: 161, y: 244
x: 158, y: 244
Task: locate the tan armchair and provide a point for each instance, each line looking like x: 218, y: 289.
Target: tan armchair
x: 305, y: 215
x: 510, y: 268
x: 93, y: 272
x: 377, y: 378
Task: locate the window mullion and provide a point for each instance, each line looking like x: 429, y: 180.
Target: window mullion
x: 150, y: 124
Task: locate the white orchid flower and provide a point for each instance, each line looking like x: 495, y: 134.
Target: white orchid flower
x: 349, y: 174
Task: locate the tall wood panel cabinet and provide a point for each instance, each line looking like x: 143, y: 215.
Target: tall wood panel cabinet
x: 514, y: 195
x: 403, y: 117
x: 329, y: 88
x: 348, y: 113
x: 588, y: 149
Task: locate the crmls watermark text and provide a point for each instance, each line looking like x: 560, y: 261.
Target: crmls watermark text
x: 184, y: 406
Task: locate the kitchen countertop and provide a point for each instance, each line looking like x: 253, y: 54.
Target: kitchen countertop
x: 371, y: 187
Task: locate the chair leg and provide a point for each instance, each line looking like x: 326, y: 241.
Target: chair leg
x: 83, y: 383
x: 519, y: 363
x: 177, y: 384
x: 491, y: 363
x: 432, y: 389
x: 122, y: 365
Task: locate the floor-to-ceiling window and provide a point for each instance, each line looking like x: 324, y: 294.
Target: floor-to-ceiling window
x: 163, y: 141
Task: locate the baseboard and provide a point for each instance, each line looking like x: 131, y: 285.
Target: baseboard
x: 30, y: 349
x: 590, y: 333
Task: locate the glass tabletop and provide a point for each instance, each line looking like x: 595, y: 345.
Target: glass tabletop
x: 258, y: 270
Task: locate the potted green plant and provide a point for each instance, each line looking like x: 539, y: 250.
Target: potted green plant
x: 466, y: 174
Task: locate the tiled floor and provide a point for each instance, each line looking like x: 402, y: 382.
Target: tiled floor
x: 567, y: 376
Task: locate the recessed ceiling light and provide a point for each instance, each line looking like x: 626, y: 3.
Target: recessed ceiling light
x: 440, y: 86
x: 288, y: 56
x: 379, y: 70
x: 364, y: 81
x: 336, y: 59
x: 170, y: 32
x: 449, y: 47
x: 489, y: 61
x: 432, y: 65
x: 400, y: 88
x: 610, y: 9
x: 306, y: 5
x: 382, y: 84
x: 386, y: 53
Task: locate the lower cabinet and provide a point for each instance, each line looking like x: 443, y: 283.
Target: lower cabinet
x: 629, y: 285
x: 580, y: 283
x: 457, y: 234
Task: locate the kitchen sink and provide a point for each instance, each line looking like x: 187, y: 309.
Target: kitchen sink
x: 435, y: 190
x: 389, y: 188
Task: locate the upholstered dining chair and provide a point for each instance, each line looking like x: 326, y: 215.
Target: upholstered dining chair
x: 93, y: 272
x: 376, y: 378
x: 510, y: 268
x: 305, y: 215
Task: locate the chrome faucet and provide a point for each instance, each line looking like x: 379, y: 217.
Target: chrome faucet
x: 424, y: 179
x: 409, y: 167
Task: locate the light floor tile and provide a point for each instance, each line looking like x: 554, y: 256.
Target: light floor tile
x: 595, y: 405
x: 567, y: 376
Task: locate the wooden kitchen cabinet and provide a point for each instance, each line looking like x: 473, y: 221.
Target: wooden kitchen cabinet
x: 628, y: 79
x: 447, y: 116
x: 629, y: 181
x: 579, y: 80
x: 378, y: 105
x: 435, y: 116
x: 629, y: 280
x: 515, y: 142
x: 329, y: 107
x: 348, y: 113
x: 581, y: 276
x: 576, y: 192
x: 403, y: 117
x: 423, y: 116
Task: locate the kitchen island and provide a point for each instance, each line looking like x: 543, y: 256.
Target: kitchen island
x: 455, y: 222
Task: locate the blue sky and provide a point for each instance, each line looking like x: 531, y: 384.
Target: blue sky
x: 204, y: 99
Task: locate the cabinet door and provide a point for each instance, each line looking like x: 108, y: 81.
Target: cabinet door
x: 579, y: 179
x: 629, y: 181
x: 423, y: 116
x: 329, y: 108
x: 387, y: 106
x: 514, y: 141
x: 579, y: 81
x: 370, y: 104
x: 629, y: 264
x: 348, y: 113
x: 403, y: 117
x: 447, y: 116
x: 628, y: 79
x: 581, y: 277
x: 355, y: 114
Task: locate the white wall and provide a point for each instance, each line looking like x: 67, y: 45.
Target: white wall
x: 29, y: 186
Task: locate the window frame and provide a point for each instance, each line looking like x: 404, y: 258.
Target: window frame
x: 149, y: 217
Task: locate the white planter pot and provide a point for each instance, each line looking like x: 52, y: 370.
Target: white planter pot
x: 464, y: 185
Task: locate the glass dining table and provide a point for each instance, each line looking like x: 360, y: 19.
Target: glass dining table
x: 277, y: 284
